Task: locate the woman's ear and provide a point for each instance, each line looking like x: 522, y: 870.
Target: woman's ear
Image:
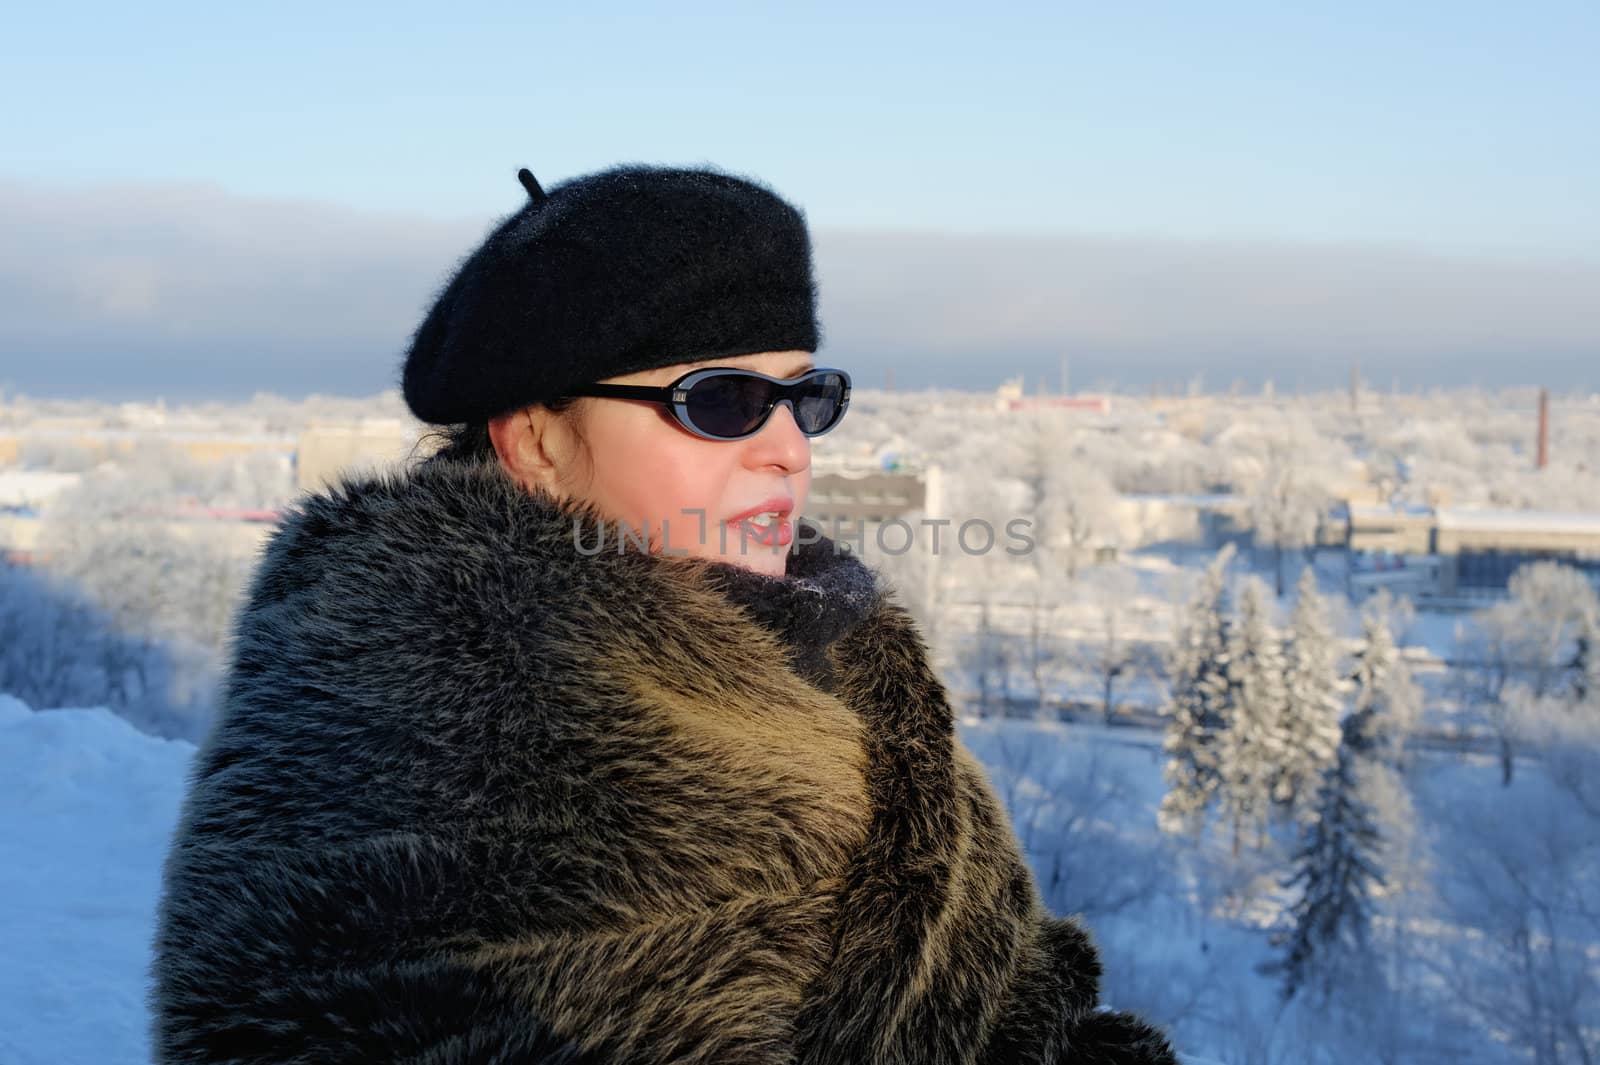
x: 518, y: 438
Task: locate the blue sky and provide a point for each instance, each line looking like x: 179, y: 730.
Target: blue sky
x: 198, y: 199
x: 1465, y: 127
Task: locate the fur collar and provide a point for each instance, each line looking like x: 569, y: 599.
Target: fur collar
x: 825, y: 593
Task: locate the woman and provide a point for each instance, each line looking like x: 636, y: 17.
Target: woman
x: 543, y: 751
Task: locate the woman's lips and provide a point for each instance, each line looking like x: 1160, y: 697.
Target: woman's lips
x: 779, y: 534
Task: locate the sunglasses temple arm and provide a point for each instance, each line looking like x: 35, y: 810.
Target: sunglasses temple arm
x: 660, y: 395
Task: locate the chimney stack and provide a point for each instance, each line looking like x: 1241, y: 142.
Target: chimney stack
x: 1544, y: 428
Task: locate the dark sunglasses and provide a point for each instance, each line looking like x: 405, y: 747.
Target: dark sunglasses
x: 724, y: 403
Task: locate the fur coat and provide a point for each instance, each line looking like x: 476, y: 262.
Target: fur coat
x: 480, y: 793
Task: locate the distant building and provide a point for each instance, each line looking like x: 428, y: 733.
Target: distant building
x: 23, y: 494
x: 1460, y: 555
x: 1487, y: 546
x: 1389, y: 530
x: 872, y: 482
x: 98, y: 444
x: 1086, y: 404
x: 28, y: 490
x: 871, y: 495
x: 851, y: 501
x: 324, y: 452
x: 1009, y: 396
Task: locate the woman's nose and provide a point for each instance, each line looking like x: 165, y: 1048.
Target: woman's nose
x: 780, y: 442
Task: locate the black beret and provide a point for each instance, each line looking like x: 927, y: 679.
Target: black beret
x: 627, y: 269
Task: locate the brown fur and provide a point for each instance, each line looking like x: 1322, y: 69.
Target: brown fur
x: 474, y: 797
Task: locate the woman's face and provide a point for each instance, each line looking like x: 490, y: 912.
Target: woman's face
x: 638, y: 465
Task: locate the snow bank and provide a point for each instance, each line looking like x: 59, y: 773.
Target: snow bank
x: 87, y: 806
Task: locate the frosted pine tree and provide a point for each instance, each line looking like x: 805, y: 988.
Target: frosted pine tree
x: 1586, y: 659
x: 1251, y: 748
x: 1362, y: 815
x: 1338, y: 867
x: 1384, y: 685
x: 1198, y: 707
x: 1312, y: 705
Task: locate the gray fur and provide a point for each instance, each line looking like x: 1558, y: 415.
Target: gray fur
x: 476, y: 797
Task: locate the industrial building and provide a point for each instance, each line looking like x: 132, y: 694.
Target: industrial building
x: 1461, y: 555
x: 843, y: 497
x: 325, y: 452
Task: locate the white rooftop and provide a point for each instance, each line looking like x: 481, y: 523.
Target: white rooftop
x: 1385, y: 512
x: 21, y: 488
x: 1587, y: 522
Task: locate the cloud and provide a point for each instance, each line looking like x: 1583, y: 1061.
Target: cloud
x: 187, y: 290
x: 1137, y: 308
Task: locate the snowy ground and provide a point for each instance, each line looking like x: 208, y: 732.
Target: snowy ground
x: 87, y: 804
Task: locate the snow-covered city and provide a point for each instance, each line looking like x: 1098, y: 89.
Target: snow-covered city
x: 1295, y: 698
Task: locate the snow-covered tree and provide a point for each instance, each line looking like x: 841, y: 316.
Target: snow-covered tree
x: 1252, y: 746
x: 1287, y: 499
x: 1337, y: 868
x: 1586, y: 660
x: 1535, y: 642
x: 49, y: 643
x: 116, y: 538
x: 1079, y: 511
x: 1072, y: 500
x: 1046, y: 658
x: 1383, y: 685
x: 1112, y: 655
x: 57, y: 649
x: 988, y: 654
x: 1520, y: 889
x: 1362, y: 819
x: 1199, y: 705
x: 1548, y: 611
x: 1312, y: 705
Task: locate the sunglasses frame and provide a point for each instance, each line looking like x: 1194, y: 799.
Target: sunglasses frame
x: 676, y: 396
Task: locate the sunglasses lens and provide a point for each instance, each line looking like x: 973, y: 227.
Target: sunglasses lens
x: 729, y: 405
x: 733, y: 405
x: 817, y: 402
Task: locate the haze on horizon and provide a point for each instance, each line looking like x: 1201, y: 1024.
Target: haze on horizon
x: 188, y: 292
